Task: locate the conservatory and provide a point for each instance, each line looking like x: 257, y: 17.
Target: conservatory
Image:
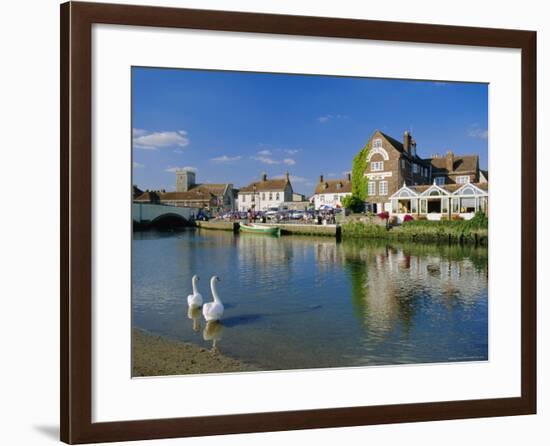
x: 435, y: 202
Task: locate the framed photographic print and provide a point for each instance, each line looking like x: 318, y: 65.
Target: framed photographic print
x: 280, y: 222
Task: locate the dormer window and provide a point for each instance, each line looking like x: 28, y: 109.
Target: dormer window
x: 377, y: 143
x: 376, y: 166
x: 463, y: 179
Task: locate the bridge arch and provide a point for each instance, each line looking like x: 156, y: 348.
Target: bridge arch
x: 169, y: 220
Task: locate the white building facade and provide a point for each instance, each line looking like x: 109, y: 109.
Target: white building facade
x: 265, y: 194
x: 331, y: 193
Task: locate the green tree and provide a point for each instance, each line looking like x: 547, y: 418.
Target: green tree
x: 358, y: 179
x: 356, y: 202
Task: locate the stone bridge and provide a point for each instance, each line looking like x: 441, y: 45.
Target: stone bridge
x: 146, y: 214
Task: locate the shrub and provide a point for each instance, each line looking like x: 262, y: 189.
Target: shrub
x: 456, y: 217
x: 407, y: 218
x: 421, y: 217
x: 360, y: 229
x: 393, y: 221
x: 384, y: 215
x: 353, y: 203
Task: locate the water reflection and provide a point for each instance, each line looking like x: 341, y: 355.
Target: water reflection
x: 195, y: 314
x: 213, y: 332
x: 301, y: 302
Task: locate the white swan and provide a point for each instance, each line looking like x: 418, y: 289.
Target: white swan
x: 194, y: 300
x: 213, y: 311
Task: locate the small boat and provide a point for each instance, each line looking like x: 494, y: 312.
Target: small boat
x: 259, y: 229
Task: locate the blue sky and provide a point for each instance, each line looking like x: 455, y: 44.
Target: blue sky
x: 232, y: 126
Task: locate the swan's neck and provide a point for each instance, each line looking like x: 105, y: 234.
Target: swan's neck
x: 215, y: 292
x: 194, y: 282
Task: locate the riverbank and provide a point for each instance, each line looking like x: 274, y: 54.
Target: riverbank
x: 474, y: 231
x: 158, y: 356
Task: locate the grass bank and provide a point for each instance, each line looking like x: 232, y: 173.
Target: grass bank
x: 473, y: 231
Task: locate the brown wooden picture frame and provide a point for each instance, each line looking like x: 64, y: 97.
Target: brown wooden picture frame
x: 76, y: 221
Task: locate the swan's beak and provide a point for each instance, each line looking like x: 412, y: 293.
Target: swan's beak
x: 218, y: 279
x: 198, y: 278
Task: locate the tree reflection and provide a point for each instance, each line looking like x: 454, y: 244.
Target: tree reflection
x: 391, y: 282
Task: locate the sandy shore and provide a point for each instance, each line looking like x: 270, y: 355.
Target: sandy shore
x: 155, y: 356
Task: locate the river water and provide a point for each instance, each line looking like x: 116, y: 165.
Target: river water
x: 304, y: 302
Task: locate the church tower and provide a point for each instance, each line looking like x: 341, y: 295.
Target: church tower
x: 185, y: 180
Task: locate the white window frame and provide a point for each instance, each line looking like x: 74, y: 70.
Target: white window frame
x: 383, y: 188
x: 463, y: 179
x: 440, y: 181
x: 415, y: 168
x: 376, y: 166
x: 371, y: 188
x: 377, y: 143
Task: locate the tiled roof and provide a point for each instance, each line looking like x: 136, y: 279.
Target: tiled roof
x: 333, y: 187
x: 215, y: 189
x: 278, y: 184
x: 195, y: 194
x: 464, y: 163
x: 147, y: 197
x: 399, y: 146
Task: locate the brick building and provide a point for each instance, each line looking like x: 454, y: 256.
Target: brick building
x: 392, y: 164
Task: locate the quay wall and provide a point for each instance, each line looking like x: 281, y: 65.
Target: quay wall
x: 303, y: 229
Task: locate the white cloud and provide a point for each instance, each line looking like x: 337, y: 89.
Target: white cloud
x: 175, y: 169
x: 156, y: 140
x: 265, y: 160
x: 293, y: 178
x: 138, y: 132
x: 263, y: 157
x: 137, y: 165
x: 476, y: 132
x: 292, y: 151
x: 326, y: 118
x: 178, y: 151
x: 226, y: 159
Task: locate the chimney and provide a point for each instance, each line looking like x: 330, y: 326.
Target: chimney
x: 321, y: 178
x: 348, y: 176
x: 264, y: 176
x: 449, y: 161
x: 406, y: 141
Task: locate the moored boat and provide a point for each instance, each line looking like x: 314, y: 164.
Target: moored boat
x: 260, y: 229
